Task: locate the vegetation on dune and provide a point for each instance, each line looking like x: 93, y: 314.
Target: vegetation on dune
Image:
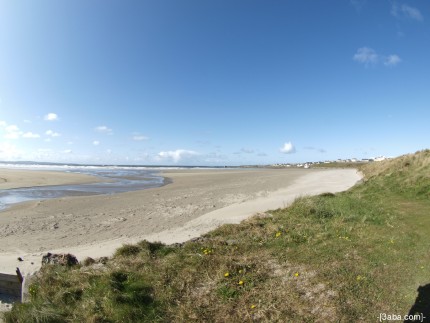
x: 334, y: 257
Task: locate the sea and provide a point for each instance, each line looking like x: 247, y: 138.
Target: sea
x: 115, y: 179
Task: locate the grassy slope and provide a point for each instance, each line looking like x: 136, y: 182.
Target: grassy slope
x: 343, y: 257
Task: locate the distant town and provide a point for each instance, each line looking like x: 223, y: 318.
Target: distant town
x: 330, y: 162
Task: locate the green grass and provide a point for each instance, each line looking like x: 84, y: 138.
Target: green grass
x: 331, y: 258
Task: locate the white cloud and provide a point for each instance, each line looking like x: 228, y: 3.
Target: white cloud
x: 96, y: 142
x: 288, y: 148
x: 392, y: 60
x: 103, y: 129
x: 176, y: 155
x: 9, y: 151
x: 30, y: 135
x: 67, y: 151
x: 406, y: 11
x: 12, y: 128
x: 52, y: 133
x: 51, y: 117
x: 140, y: 138
x: 366, y: 56
x: 12, y: 132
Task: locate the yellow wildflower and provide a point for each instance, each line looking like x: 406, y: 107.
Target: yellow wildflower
x: 278, y: 234
x: 253, y: 306
x: 226, y: 274
x: 296, y: 274
x: 240, y: 282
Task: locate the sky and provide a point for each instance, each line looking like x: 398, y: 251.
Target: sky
x: 222, y: 82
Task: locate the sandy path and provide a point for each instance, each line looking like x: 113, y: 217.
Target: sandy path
x: 196, y: 202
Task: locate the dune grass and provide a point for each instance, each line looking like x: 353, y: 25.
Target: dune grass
x: 343, y: 257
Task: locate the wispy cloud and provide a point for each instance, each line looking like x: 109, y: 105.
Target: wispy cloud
x: 30, y: 135
x: 103, y: 129
x: 368, y: 57
x: 287, y: 148
x: 51, y: 117
x: 52, y: 133
x: 392, y: 60
x: 247, y: 151
x: 358, y: 4
x: 96, y: 142
x: 12, y: 131
x: 139, y: 138
x: 176, y: 155
x: 67, y: 151
x: 321, y: 150
x: 405, y: 11
x: 9, y: 151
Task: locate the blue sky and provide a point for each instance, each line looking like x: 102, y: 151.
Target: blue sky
x: 213, y: 82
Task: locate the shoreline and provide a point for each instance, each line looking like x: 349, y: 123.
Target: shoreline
x: 19, y: 178
x: 195, y: 202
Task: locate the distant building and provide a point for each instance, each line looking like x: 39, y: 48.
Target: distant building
x: 380, y: 158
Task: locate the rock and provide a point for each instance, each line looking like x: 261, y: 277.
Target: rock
x: 88, y: 261
x: 59, y: 259
x: 231, y: 242
x: 20, y: 259
x: 103, y: 260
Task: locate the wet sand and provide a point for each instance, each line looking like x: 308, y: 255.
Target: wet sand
x: 14, y: 178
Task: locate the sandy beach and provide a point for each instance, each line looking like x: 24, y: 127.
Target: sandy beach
x: 196, y: 201
x: 12, y: 178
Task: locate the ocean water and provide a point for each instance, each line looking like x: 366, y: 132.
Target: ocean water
x: 118, y: 179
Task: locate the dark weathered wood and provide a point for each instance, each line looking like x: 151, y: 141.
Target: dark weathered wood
x: 19, y: 275
x: 8, y: 277
x: 11, y: 284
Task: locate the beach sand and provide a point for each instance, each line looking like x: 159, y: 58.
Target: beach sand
x: 11, y: 178
x: 196, y: 202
